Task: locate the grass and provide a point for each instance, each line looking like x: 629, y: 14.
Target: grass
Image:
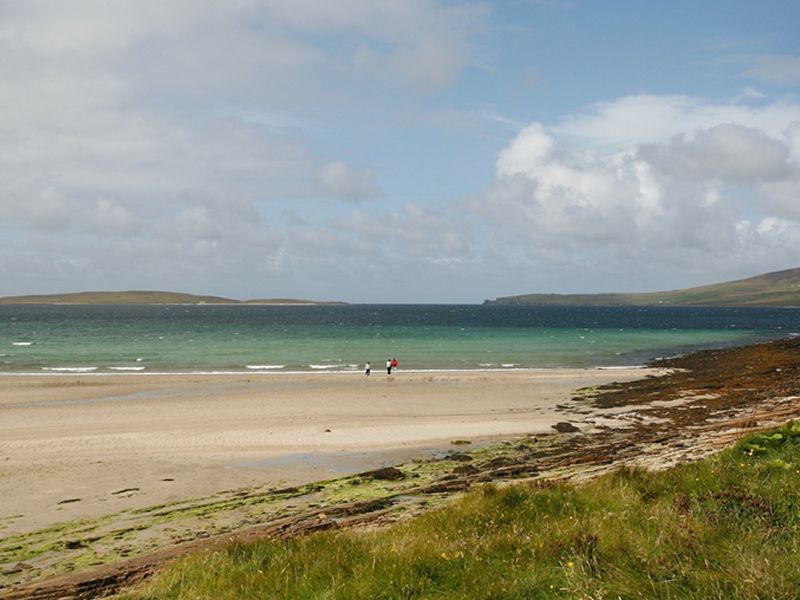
x: 726, y: 527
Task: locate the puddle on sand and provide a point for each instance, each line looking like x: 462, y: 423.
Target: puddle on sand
x: 345, y: 462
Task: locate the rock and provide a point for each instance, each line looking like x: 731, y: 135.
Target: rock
x: 459, y: 456
x: 386, y: 473
x: 460, y: 442
x: 13, y: 567
x: 455, y: 485
x: 465, y: 470
x: 564, y: 427
x: 499, y: 461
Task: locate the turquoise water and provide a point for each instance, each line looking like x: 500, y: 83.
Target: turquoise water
x: 148, y: 339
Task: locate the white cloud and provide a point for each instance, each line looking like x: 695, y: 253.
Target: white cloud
x: 167, y: 123
x: 99, y: 133
x: 748, y: 94
x: 673, y: 182
x: 424, y: 42
x: 770, y: 68
x: 793, y: 135
x: 347, y: 182
x: 724, y: 152
x: 149, y: 133
x: 414, y: 231
x: 431, y: 64
x: 545, y: 193
x: 110, y: 216
x: 531, y: 146
x: 47, y: 209
x: 781, y: 197
x: 633, y: 120
x: 155, y: 135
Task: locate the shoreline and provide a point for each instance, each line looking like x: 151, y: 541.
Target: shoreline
x: 130, y: 372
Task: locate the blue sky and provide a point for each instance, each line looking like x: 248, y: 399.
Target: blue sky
x: 378, y: 151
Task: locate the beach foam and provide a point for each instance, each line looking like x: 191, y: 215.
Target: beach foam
x: 21, y: 343
x: 70, y: 369
x: 261, y: 367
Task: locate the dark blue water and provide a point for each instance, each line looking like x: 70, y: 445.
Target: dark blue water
x: 225, y: 338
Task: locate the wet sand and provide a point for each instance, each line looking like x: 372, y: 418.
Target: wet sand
x: 86, y: 446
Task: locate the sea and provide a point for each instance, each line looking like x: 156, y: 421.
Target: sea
x: 260, y: 339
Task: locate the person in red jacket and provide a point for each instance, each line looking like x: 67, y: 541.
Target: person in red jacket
x: 394, y: 364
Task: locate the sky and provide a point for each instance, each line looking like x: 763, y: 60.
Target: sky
x: 385, y: 151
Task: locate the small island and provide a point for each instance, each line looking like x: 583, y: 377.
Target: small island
x: 150, y: 297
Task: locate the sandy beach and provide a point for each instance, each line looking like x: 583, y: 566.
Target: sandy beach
x: 85, y: 446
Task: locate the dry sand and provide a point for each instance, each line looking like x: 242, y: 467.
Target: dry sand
x: 85, y: 446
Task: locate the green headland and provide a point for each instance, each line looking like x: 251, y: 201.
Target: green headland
x: 781, y: 288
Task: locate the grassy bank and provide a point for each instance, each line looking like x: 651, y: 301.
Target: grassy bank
x: 727, y: 527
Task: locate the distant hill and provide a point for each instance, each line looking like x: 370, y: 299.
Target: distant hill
x: 781, y: 288
x: 143, y: 297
